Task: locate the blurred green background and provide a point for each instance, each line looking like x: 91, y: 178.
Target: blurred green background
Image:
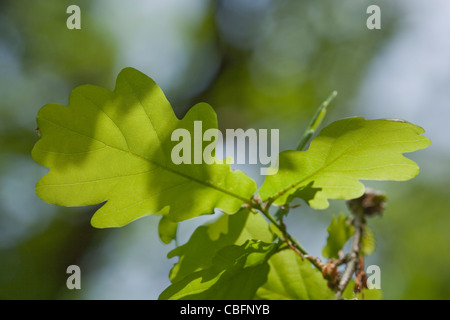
x: 260, y: 64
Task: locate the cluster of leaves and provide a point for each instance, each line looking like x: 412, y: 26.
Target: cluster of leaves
x: 115, y: 147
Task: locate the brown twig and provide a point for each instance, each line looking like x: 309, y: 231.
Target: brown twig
x: 370, y: 203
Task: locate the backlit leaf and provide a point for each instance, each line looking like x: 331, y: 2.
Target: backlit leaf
x: 236, y: 273
x: 339, y: 231
x: 343, y: 153
x: 208, y: 239
x: 291, y: 278
x: 285, y: 275
x: 115, y: 147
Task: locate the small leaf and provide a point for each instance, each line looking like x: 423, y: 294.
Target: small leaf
x: 236, y: 273
x: 339, y: 231
x: 343, y: 153
x: 368, y: 294
x: 116, y: 147
x: 368, y: 242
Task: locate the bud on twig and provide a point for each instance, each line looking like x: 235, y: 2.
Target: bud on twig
x: 370, y: 203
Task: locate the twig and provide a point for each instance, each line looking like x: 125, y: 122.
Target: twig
x: 353, y: 257
x: 290, y: 241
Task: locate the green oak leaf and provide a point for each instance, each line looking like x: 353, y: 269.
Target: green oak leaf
x: 207, y: 240
x: 288, y: 277
x: 291, y: 278
x: 343, y: 153
x: 339, y: 231
x: 115, y: 147
x: 368, y: 242
x: 236, y: 273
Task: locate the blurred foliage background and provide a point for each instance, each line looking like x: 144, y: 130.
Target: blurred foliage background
x: 260, y: 64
